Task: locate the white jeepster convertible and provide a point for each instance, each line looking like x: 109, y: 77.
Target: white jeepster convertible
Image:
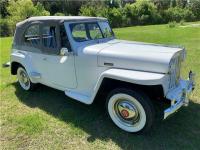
x: 82, y: 57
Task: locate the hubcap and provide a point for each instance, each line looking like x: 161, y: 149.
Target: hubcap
x: 126, y: 112
x: 23, y: 79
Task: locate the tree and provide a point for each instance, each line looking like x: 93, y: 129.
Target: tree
x: 22, y: 9
x: 162, y: 4
x: 177, y: 14
x: 63, y: 6
x: 173, y: 3
x: 115, y: 17
x: 4, y: 28
x: 3, y: 6
x: 146, y: 12
x: 194, y: 6
x: 181, y: 3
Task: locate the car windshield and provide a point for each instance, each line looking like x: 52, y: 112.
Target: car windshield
x: 90, y: 31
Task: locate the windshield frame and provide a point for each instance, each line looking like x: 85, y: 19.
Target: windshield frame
x: 71, y: 25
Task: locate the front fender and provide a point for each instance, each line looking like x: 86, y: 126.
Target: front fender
x: 132, y: 76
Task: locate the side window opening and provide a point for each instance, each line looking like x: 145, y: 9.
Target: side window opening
x: 32, y: 36
x: 64, y: 41
x: 49, y: 37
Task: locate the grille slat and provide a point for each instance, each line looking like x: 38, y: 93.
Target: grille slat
x: 175, y: 66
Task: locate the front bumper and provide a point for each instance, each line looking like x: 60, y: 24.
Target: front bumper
x: 179, y: 96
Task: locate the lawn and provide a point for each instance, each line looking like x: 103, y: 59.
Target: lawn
x: 47, y: 119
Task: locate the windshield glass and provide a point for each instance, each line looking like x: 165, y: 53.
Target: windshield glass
x: 90, y: 31
x: 106, y: 30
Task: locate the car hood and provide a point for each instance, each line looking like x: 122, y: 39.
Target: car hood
x: 137, y: 55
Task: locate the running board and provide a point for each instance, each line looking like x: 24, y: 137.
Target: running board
x: 79, y: 97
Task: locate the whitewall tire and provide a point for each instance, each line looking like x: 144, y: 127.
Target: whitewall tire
x: 130, y: 110
x: 24, y: 80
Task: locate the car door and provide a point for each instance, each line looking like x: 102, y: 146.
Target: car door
x: 59, y: 70
x: 56, y: 71
x: 32, y: 46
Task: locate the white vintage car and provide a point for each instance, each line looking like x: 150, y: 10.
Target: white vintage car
x: 81, y: 57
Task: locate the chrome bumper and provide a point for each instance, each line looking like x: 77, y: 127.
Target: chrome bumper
x: 179, y: 96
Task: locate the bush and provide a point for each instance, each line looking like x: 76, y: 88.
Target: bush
x: 141, y: 12
x: 4, y: 28
x: 146, y: 12
x: 95, y: 11
x: 182, y: 22
x: 188, y: 15
x: 177, y: 14
x: 172, y: 24
x: 59, y: 14
x: 115, y: 17
x: 103, y: 12
x: 194, y: 6
x: 22, y: 9
x: 129, y: 15
x: 86, y: 10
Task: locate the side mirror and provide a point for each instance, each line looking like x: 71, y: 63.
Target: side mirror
x: 64, y: 51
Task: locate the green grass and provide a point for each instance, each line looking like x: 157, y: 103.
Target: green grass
x: 47, y: 119
x: 30, y: 123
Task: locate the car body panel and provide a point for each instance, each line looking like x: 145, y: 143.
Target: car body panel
x: 138, y: 56
x: 130, y: 76
x: 81, y: 72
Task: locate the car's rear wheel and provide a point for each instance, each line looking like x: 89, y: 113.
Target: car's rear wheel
x: 24, y: 80
x: 130, y: 110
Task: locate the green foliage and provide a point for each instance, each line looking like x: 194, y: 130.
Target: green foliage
x: 146, y: 12
x: 72, y: 125
x: 118, y: 12
x: 141, y: 12
x: 39, y: 10
x: 4, y: 28
x: 30, y: 123
x: 129, y: 14
x: 59, y: 14
x: 195, y: 8
x: 188, y: 15
x: 88, y: 11
x: 181, y: 3
x: 115, y: 17
x: 162, y: 4
x: 63, y: 6
x: 177, y: 14
x: 182, y: 22
x: 3, y: 10
x: 172, y: 24
x: 22, y: 9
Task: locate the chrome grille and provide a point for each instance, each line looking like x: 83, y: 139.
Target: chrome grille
x: 175, y: 67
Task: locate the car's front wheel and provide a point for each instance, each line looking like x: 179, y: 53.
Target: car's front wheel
x: 130, y: 110
x: 24, y: 79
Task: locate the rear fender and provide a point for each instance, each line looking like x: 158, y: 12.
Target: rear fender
x: 23, y: 59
